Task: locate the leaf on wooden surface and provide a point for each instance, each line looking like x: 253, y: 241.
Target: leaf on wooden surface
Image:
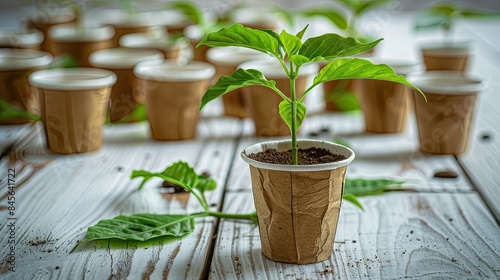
x: 139, y: 227
x: 366, y: 187
x: 352, y: 199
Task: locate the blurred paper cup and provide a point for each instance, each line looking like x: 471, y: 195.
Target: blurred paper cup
x: 452, y: 56
x: 226, y: 61
x: 79, y: 42
x: 263, y: 103
x: 385, y: 104
x: 122, y: 61
x: 21, y: 39
x: 173, y: 95
x: 46, y: 18
x: 73, y: 104
x: 445, y: 120
x: 15, y: 67
x: 150, y: 41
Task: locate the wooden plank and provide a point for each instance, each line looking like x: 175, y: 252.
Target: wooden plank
x: 58, y: 197
x: 400, y: 235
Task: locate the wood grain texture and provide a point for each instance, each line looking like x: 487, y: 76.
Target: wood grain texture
x: 58, y: 202
x: 398, y: 236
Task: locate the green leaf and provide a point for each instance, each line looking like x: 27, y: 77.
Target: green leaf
x: 290, y: 42
x: 238, y: 79
x: 240, y: 36
x: 190, y: 10
x: 479, y: 14
x: 138, y: 115
x: 206, y: 184
x: 330, y: 46
x: 180, y: 173
x: 65, y: 60
x: 139, y: 227
x: 366, y: 187
x: 332, y: 15
x: 352, y: 199
x: 301, y: 33
x: 9, y: 112
x: 368, y: 5
x: 298, y: 59
x: 356, y: 68
x: 285, y: 109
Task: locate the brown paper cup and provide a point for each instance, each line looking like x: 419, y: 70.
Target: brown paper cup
x: 226, y: 61
x: 124, y: 29
x: 21, y: 39
x: 446, y: 56
x: 173, y: 94
x: 43, y: 21
x: 298, y: 206
x: 195, y: 34
x: 122, y: 61
x: 146, y: 40
x: 15, y: 67
x: 445, y: 120
x: 79, y: 43
x: 263, y: 103
x: 73, y: 105
x: 385, y: 104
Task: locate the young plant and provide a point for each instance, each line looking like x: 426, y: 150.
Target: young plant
x: 292, y: 53
x: 444, y: 16
x: 356, y: 9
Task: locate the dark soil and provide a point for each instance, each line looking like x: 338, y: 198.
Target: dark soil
x: 447, y: 174
x: 306, y: 156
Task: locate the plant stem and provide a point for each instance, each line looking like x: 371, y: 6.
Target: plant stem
x: 293, y: 128
x: 249, y: 216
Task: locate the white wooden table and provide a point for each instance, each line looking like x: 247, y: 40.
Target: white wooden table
x: 441, y: 228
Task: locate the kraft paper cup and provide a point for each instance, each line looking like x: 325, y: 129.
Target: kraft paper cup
x: 453, y: 56
x: 173, y: 95
x: 21, y: 39
x: 298, y: 206
x: 15, y: 67
x: 385, y: 104
x: 149, y: 41
x: 444, y: 122
x: 195, y: 34
x: 73, y: 104
x: 122, y: 61
x: 79, y: 42
x: 226, y: 61
x: 45, y: 18
x: 263, y: 102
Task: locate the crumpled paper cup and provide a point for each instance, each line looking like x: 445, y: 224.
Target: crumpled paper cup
x: 298, y: 206
x: 173, y: 95
x: 451, y: 56
x: 226, y: 61
x: 385, y: 104
x: 15, y: 67
x: 122, y: 61
x: 263, y: 103
x: 79, y: 43
x: 73, y: 104
x: 445, y: 120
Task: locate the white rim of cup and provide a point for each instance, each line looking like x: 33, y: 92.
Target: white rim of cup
x: 72, y: 79
x: 447, y: 82
x: 447, y: 48
x: 233, y: 56
x: 142, y: 40
x: 53, y: 15
x: 122, y: 58
x: 19, y: 59
x: 25, y: 38
x: 70, y: 33
x: 171, y: 70
x: 271, y: 68
x: 282, y: 145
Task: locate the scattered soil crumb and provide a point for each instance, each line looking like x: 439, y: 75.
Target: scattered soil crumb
x: 37, y: 242
x: 454, y: 260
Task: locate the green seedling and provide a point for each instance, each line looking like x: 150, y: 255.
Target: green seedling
x: 445, y: 15
x: 291, y: 52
